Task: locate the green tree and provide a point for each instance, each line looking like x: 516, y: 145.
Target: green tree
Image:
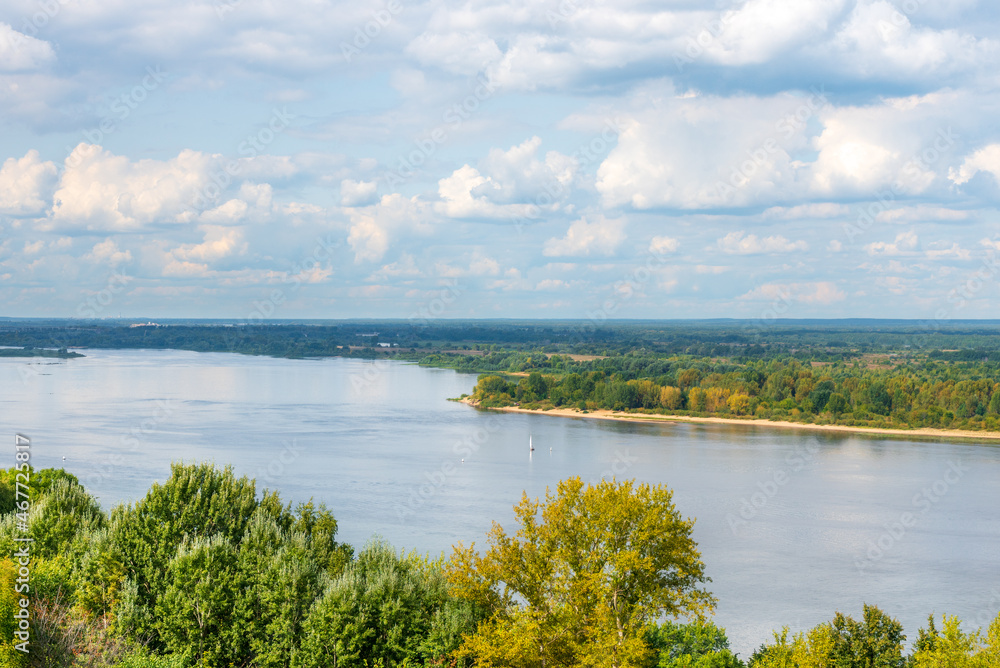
x: 281, y: 580
x: 821, y: 394
x: 622, y: 396
x: 97, y: 571
x: 583, y: 578
x: 195, y: 614
x: 699, y: 644
x: 837, y: 404
x: 538, y: 385
x: 197, y: 501
x: 383, y: 608
x: 319, y: 528
x: 59, y: 514
x: 994, y: 406
x: 492, y: 390
x: 879, y: 398
x: 874, y: 642
x: 40, y: 481
x: 275, y: 552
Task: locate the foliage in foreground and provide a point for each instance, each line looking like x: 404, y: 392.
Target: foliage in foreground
x: 700, y: 644
x: 584, y: 577
x: 204, y: 572
x: 877, y: 642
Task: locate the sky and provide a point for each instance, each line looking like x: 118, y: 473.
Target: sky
x: 585, y: 159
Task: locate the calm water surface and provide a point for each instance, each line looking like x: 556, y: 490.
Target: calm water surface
x: 792, y: 526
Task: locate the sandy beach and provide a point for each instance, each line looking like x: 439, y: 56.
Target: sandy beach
x: 951, y: 434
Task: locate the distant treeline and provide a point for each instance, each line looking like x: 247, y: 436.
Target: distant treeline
x: 739, y: 340
x: 917, y: 394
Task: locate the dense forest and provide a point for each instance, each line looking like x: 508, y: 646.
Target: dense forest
x: 207, y: 571
x: 881, y: 393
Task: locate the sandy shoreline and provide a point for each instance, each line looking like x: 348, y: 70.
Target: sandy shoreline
x: 922, y: 433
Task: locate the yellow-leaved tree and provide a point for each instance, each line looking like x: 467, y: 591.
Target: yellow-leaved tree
x: 953, y: 648
x: 578, y: 585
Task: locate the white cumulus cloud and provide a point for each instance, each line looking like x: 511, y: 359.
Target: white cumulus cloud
x: 20, y: 52
x: 819, y: 292
x: 663, y: 245
x: 107, y: 252
x: 26, y: 184
x: 741, y: 243
x: 904, y: 243
x: 100, y: 190
x: 358, y: 193
x: 986, y: 159
x: 511, y: 183
x: 600, y: 237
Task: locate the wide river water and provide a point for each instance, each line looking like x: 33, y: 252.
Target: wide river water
x: 793, y: 525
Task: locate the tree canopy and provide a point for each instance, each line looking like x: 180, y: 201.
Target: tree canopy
x: 582, y: 579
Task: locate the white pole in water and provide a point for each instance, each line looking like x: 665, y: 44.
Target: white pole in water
x: 531, y: 448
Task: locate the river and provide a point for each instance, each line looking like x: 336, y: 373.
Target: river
x: 792, y: 525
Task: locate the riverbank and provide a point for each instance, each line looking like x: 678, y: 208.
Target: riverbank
x: 923, y: 433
